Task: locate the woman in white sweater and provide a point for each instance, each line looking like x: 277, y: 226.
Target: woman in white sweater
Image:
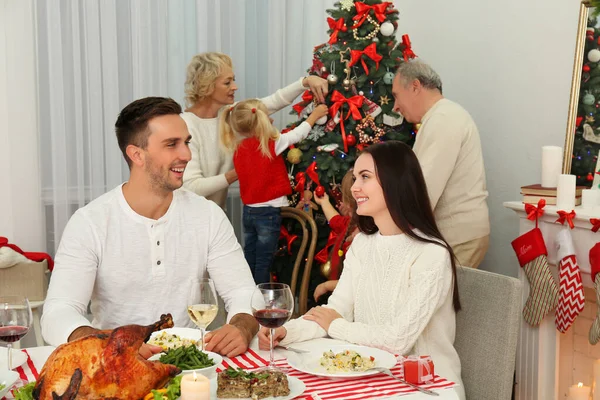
x: 209, y: 86
x: 398, y: 289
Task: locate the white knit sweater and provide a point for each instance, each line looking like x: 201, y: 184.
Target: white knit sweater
x: 205, y: 173
x: 395, y: 293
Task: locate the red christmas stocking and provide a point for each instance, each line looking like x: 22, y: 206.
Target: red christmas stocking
x: 594, y: 335
x: 533, y: 258
x: 571, y: 298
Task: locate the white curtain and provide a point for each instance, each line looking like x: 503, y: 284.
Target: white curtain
x: 95, y: 57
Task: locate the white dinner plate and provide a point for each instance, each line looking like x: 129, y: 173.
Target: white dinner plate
x: 184, y: 333
x: 310, y: 363
x: 18, y: 358
x: 297, y: 387
x: 8, y: 379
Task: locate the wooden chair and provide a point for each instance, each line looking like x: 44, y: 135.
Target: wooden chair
x: 309, y: 232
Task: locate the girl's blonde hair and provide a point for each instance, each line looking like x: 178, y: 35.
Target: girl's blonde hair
x: 202, y: 73
x: 248, y: 118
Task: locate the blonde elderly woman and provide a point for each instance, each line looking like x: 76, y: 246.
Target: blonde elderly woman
x: 209, y: 86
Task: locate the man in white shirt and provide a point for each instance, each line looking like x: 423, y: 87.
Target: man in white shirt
x: 140, y: 250
x: 449, y: 151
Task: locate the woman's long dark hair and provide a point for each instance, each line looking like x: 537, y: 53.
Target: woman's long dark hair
x: 401, y: 178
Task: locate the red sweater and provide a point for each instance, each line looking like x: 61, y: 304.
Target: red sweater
x: 260, y: 179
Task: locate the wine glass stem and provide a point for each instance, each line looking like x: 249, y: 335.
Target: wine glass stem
x: 202, y: 337
x: 271, y: 363
x: 9, y: 355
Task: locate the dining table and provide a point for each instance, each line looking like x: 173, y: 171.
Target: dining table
x: 377, y: 386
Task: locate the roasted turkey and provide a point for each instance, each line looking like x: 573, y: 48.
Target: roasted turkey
x: 105, y: 365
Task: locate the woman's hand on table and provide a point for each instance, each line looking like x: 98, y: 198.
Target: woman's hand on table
x: 264, y: 337
x: 323, y: 316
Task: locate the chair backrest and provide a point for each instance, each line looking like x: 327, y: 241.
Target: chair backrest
x: 487, y: 330
x: 309, y: 232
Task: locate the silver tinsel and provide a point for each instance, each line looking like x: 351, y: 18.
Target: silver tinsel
x: 316, y: 133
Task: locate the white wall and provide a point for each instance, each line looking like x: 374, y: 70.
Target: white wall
x: 509, y: 63
x: 21, y: 218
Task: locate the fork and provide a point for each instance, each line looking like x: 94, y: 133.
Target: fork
x: 299, y: 351
x: 388, y: 372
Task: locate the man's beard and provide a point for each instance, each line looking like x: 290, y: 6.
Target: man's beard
x: 158, y: 181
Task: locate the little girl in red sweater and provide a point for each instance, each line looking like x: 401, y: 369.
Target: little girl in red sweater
x: 247, y: 129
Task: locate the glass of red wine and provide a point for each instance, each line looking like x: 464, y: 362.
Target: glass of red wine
x: 15, y: 321
x: 272, y: 306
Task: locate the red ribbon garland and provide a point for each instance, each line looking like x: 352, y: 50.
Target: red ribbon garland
x: 284, y: 234
x: 534, y: 212
x: 337, y: 26
x: 311, y: 171
x: 565, y: 216
x: 369, y: 51
x: 596, y: 224
x: 407, y: 52
x: 354, y: 103
x: 362, y: 10
x: 307, y: 97
x: 323, y: 255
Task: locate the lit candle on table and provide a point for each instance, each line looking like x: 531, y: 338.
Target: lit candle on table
x: 576, y: 392
x: 195, y: 387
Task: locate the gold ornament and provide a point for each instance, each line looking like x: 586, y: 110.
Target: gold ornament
x: 370, y: 35
x: 347, y: 4
x: 384, y: 100
x: 368, y: 122
x: 589, y: 118
x: 294, y: 156
x: 326, y: 269
x: 418, y: 126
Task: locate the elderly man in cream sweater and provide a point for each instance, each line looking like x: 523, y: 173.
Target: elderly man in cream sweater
x: 449, y: 151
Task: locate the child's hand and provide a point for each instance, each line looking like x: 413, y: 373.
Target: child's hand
x: 320, y: 111
x: 320, y: 200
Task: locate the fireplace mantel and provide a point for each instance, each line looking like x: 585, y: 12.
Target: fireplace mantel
x: 538, y: 348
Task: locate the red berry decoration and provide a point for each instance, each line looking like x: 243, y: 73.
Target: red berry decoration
x: 590, y: 177
x: 586, y: 68
x: 320, y: 191
x: 590, y: 38
x: 351, y: 140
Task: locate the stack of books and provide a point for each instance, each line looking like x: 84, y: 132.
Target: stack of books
x: 532, y: 194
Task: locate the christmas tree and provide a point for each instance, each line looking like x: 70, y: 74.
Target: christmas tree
x: 359, y: 61
x: 586, y: 143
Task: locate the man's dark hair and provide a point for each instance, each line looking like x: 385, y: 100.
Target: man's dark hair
x: 132, y: 124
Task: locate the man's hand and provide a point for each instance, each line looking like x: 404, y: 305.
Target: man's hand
x: 148, y: 350
x: 264, y: 337
x: 228, y: 340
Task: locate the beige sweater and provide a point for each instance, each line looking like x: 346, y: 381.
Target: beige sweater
x: 449, y: 150
x: 395, y: 293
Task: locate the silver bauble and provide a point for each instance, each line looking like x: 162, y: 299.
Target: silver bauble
x: 332, y: 79
x: 388, y: 78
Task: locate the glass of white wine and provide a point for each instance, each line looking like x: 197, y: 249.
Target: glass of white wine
x: 205, y: 310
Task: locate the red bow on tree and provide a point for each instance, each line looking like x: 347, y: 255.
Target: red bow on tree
x: 407, y: 52
x: 284, y: 234
x: 311, y: 171
x: 300, y: 184
x: 354, y: 103
x: 322, y: 256
x: 362, y: 10
x: 337, y: 26
x: 565, y: 216
x: 534, y: 212
x: 596, y: 224
x: 307, y: 97
x: 369, y: 51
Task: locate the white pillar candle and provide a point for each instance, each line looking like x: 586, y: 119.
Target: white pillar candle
x: 552, y: 157
x: 596, y: 183
x: 565, y: 192
x: 596, y: 395
x: 590, y: 198
x: 579, y: 392
x: 195, y: 387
